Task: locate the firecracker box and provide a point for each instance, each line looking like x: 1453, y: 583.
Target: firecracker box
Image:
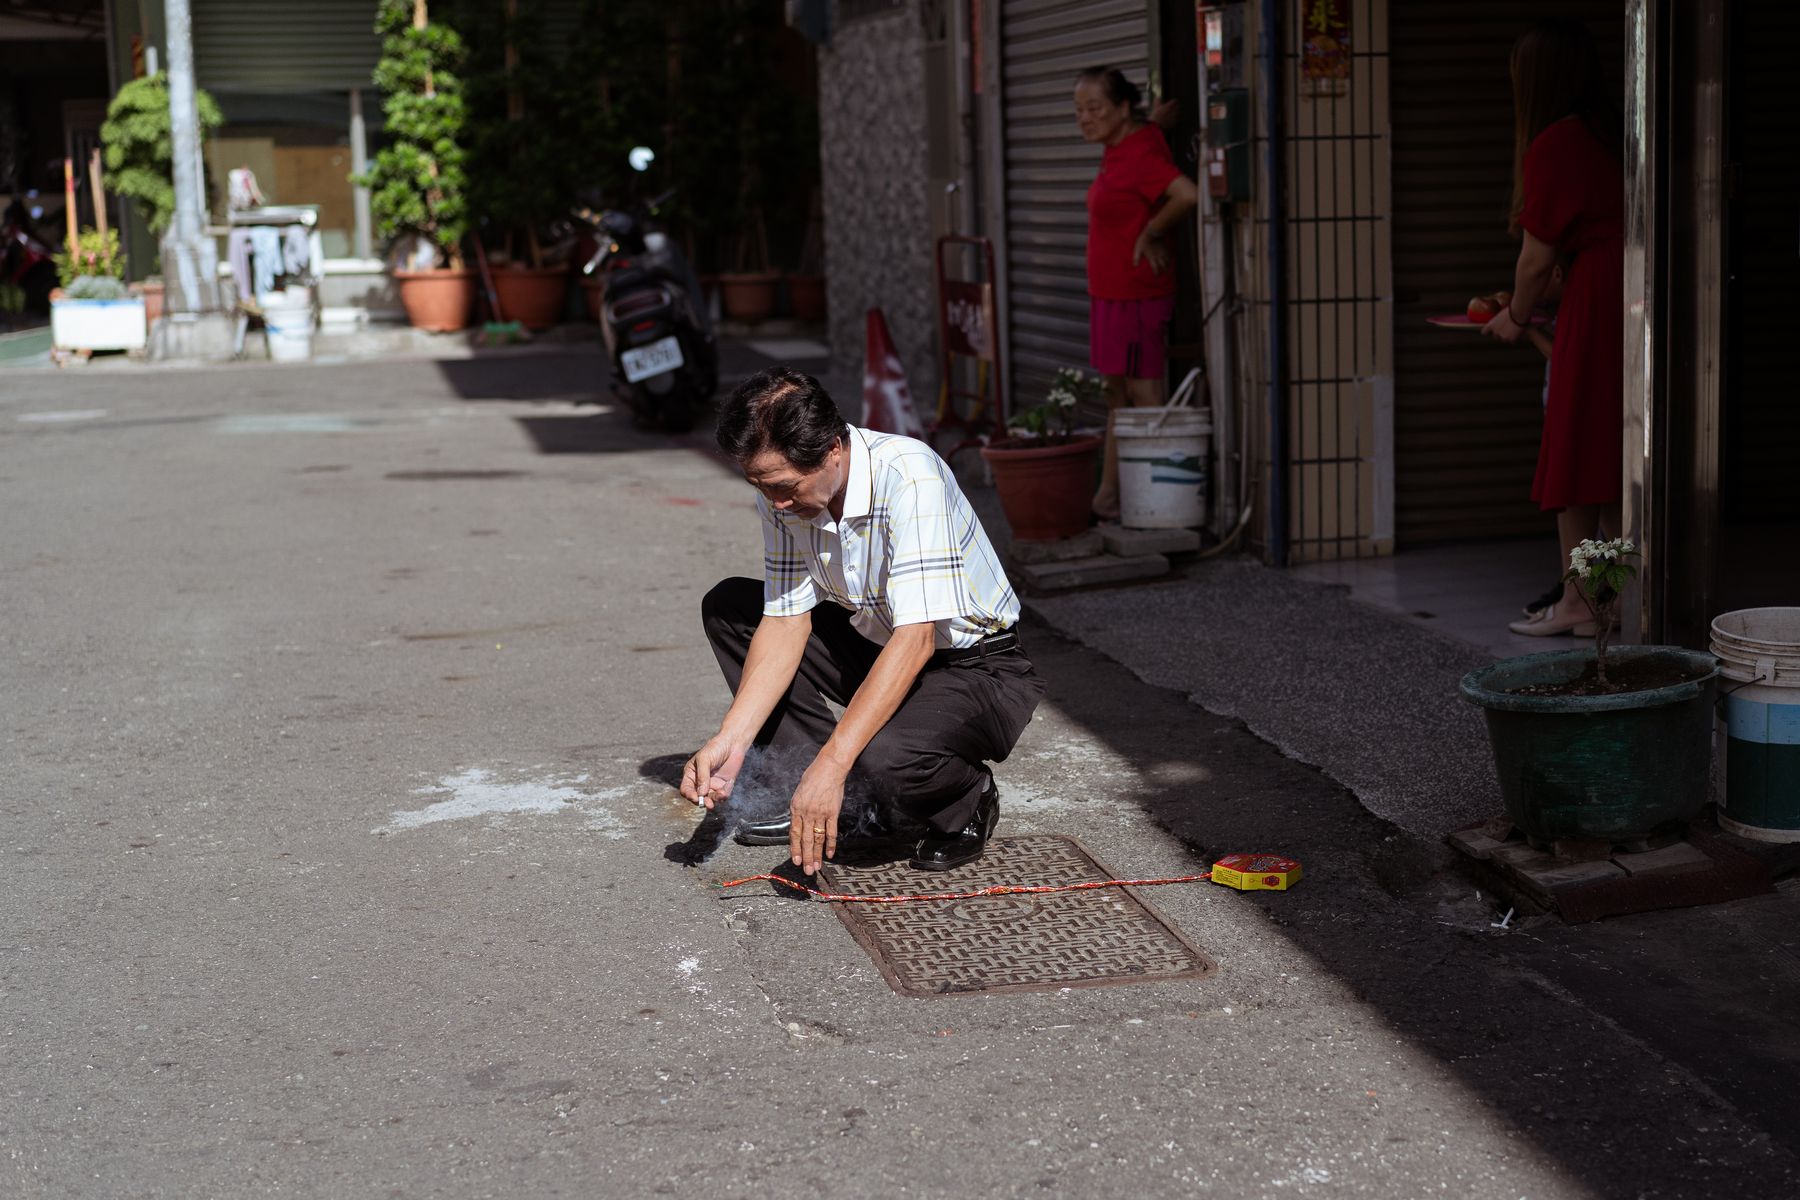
x: 1256, y: 872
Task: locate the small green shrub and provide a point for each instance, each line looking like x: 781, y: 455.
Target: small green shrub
x: 1054, y: 419
x: 1601, y: 573
x: 93, y: 254
x: 96, y: 287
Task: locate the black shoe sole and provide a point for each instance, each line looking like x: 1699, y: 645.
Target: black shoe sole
x: 760, y: 839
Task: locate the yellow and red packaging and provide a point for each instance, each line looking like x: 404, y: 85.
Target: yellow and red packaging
x: 1256, y: 872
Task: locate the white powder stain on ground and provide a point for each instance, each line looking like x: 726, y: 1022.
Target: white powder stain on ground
x: 693, y: 982
x: 477, y: 793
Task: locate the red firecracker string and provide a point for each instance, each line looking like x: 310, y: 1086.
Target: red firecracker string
x: 1001, y: 889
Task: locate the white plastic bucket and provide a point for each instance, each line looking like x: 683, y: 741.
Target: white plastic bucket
x: 1757, y: 763
x: 289, y: 318
x: 1164, y: 457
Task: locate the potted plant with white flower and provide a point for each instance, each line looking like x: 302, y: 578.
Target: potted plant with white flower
x: 93, y: 309
x: 1602, y: 744
x: 1044, y: 467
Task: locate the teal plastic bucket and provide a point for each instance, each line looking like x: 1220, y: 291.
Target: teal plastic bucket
x: 1597, y: 768
x: 1759, y: 722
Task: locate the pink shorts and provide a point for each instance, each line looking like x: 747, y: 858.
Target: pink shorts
x: 1127, y: 337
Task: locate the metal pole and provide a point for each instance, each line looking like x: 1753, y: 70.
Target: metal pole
x: 190, y: 260
x: 359, y: 163
x: 1273, y: 149
x: 1637, y: 611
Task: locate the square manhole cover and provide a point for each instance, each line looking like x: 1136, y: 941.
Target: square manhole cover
x: 1012, y: 943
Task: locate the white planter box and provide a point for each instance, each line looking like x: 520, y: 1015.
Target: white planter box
x: 99, y: 324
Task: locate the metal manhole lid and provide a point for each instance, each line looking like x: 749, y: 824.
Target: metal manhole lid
x: 1013, y: 943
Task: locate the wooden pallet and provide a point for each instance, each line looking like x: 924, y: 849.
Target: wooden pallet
x: 1587, y: 881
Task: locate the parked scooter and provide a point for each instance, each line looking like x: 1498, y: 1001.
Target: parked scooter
x: 653, y: 318
x: 27, y: 268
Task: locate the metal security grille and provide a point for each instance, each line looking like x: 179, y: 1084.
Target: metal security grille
x: 1339, y: 310
x: 1468, y: 414
x: 1044, y: 45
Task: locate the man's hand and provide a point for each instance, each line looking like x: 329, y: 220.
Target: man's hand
x: 812, y: 837
x: 1149, y: 246
x: 708, y: 776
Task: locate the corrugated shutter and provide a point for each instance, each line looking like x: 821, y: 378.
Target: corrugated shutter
x: 1044, y: 45
x: 315, y: 46
x: 307, y: 45
x: 1761, y: 420
x: 1467, y: 412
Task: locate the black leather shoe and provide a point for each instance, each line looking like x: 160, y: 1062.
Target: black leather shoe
x: 764, y: 833
x: 947, y: 851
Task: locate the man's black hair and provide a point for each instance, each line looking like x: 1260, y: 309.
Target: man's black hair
x: 783, y: 410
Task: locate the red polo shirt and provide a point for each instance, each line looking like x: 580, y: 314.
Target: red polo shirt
x: 1124, y: 196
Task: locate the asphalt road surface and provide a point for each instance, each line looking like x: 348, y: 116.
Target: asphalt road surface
x: 339, y: 707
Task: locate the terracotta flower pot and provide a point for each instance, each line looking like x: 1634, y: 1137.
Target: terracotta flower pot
x: 1046, y: 491
x: 807, y: 294
x: 437, y: 301
x: 749, y: 298
x: 593, y: 292
x: 152, y: 292
x: 532, y: 296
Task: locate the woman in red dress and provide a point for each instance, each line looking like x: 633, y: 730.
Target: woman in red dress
x: 1569, y: 200
x: 1137, y: 197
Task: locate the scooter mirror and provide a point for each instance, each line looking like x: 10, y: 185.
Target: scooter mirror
x: 641, y: 157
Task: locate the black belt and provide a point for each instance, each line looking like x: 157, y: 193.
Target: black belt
x: 993, y: 643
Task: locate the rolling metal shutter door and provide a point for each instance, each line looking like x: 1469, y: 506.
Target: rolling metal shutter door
x: 1467, y: 412
x: 1044, y: 45
x: 307, y: 45
x: 298, y: 46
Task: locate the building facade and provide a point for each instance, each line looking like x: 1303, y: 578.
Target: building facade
x: 1370, y: 152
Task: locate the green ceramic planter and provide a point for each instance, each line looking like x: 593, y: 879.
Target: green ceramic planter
x: 1597, y: 768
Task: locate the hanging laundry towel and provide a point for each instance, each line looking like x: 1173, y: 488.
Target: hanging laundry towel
x: 265, y: 249
x: 296, y: 250
x: 237, y: 250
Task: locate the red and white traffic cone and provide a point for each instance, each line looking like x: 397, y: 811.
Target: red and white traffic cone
x: 887, y: 401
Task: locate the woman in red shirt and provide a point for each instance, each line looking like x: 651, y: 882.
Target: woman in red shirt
x: 1138, y: 195
x: 1569, y: 201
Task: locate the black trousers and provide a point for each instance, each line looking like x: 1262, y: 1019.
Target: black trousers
x: 927, y: 761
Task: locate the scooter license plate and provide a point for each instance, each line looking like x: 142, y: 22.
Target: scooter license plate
x: 657, y: 358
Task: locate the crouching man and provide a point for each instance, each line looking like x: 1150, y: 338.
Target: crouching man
x: 882, y: 594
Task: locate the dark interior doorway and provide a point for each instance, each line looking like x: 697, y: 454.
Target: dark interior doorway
x: 1760, y: 418
x: 1467, y: 412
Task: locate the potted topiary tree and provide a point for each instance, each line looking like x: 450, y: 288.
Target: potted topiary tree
x: 521, y: 154
x: 1044, y: 471
x: 611, y: 96
x: 417, y: 182
x: 748, y: 293
x: 138, y: 150
x: 1602, y: 745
